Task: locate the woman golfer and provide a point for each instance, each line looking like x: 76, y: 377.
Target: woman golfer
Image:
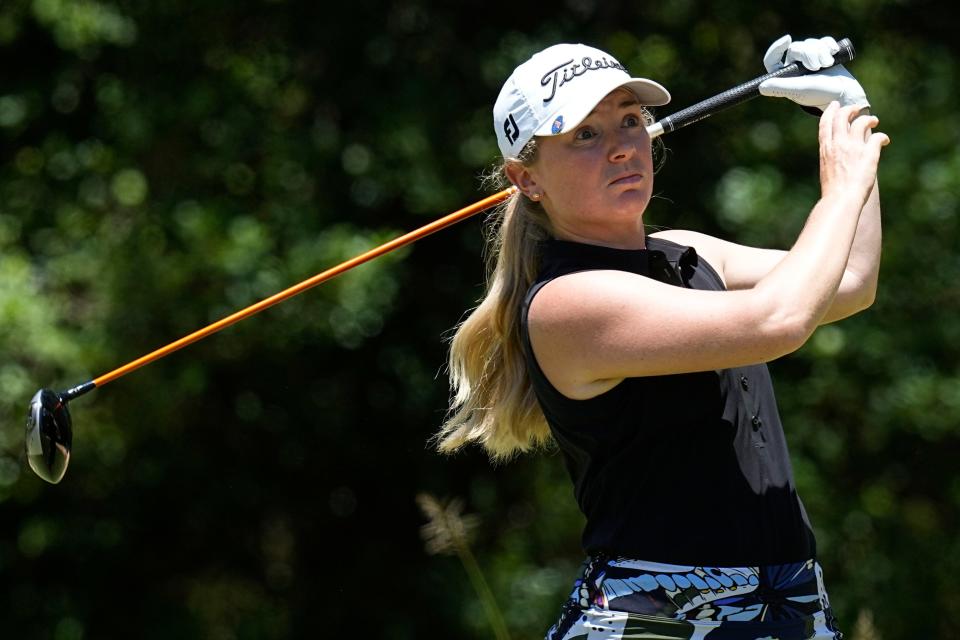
x: 642, y: 356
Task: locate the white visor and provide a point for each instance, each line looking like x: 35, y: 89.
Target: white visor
x: 556, y: 89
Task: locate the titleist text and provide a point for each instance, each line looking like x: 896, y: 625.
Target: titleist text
x: 567, y: 71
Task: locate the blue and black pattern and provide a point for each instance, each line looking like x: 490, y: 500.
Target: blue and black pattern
x: 623, y: 598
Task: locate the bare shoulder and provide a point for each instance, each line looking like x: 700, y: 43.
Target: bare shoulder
x: 684, y: 236
x: 712, y: 249
x: 564, y: 319
x: 740, y: 266
x: 586, y: 293
x: 579, y: 300
x: 703, y: 243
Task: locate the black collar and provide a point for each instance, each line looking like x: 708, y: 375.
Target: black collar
x: 660, y: 260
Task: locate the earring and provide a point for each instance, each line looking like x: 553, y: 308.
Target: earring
x: 535, y: 196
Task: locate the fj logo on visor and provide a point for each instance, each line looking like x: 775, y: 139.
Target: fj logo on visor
x: 511, y: 130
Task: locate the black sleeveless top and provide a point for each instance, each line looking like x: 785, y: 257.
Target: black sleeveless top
x: 683, y: 469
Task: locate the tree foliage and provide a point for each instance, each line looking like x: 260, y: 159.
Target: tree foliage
x: 163, y: 164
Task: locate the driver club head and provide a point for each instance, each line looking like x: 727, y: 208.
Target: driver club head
x: 49, y: 435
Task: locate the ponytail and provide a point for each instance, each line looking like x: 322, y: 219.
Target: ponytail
x: 492, y: 401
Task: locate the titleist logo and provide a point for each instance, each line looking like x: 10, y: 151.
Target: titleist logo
x: 567, y: 71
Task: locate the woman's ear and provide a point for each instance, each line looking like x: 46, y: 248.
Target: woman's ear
x: 525, y: 181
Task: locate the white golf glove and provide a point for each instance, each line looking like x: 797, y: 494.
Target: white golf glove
x: 816, y: 89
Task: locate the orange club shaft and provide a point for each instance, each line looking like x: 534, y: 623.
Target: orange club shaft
x: 255, y: 308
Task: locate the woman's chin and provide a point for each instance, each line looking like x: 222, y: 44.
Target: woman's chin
x: 633, y: 201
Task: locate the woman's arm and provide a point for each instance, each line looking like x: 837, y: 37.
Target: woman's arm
x: 591, y: 329
x: 742, y: 267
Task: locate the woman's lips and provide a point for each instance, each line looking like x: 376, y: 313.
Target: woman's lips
x: 629, y: 178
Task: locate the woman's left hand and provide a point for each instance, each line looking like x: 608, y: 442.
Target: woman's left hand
x: 816, y: 89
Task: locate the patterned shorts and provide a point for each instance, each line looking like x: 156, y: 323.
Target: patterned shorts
x: 620, y: 599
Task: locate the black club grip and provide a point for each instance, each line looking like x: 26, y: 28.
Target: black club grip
x: 743, y: 92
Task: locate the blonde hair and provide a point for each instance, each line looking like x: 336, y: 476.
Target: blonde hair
x: 492, y: 402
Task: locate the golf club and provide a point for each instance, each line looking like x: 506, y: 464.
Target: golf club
x: 49, y: 429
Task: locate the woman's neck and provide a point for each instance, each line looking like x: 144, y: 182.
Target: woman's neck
x: 630, y: 238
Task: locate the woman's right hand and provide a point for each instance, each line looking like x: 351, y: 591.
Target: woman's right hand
x: 849, y: 152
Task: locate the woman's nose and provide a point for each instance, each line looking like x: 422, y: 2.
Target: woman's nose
x: 628, y: 143
x: 624, y: 149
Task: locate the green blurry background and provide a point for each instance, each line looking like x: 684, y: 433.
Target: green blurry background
x: 165, y: 163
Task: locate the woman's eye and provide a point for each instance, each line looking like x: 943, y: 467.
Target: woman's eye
x: 584, y: 134
x: 631, y: 121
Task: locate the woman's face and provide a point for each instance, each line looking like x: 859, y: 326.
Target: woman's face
x: 595, y: 180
